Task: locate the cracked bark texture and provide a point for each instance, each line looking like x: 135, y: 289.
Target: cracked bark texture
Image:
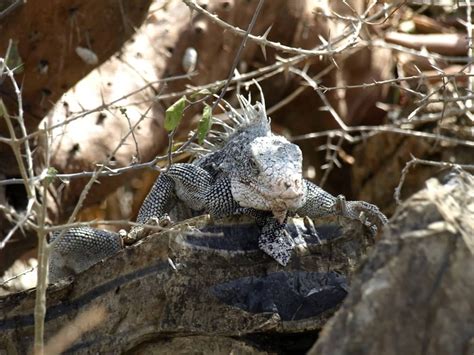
x: 414, y: 293
x: 200, y: 280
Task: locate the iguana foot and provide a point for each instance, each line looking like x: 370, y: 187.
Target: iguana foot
x: 139, y: 232
x: 369, y: 215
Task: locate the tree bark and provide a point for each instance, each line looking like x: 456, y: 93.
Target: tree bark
x: 182, y: 282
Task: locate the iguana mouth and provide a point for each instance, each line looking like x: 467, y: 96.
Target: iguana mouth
x: 286, y: 198
x: 280, y: 215
x: 280, y: 203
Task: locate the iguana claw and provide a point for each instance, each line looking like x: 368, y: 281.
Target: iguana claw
x: 140, y: 232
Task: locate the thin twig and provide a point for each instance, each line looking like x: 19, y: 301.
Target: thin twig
x: 232, y: 69
x: 380, y: 129
x: 415, y: 161
x: 324, y: 50
x: 13, y: 278
x: 95, y: 176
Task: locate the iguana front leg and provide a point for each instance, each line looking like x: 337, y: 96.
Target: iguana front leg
x: 154, y: 208
x: 186, y: 182
x: 219, y: 200
x: 158, y: 201
x: 320, y: 203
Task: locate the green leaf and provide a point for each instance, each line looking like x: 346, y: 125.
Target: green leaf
x: 174, y: 114
x: 205, y: 123
x: 51, y: 175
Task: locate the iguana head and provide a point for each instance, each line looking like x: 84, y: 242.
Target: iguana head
x: 268, y: 176
x: 265, y: 170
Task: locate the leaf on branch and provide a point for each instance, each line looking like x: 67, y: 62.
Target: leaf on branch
x: 51, y: 175
x: 174, y: 114
x: 205, y: 123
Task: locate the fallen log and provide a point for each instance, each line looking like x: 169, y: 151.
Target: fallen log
x: 202, y: 280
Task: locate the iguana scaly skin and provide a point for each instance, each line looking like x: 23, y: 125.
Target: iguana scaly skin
x: 79, y: 249
x: 253, y: 172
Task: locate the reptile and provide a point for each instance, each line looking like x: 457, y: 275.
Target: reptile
x: 242, y: 169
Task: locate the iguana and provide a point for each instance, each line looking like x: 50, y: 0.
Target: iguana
x: 245, y: 169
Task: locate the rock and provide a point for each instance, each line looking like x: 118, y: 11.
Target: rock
x: 414, y: 294
x: 202, y: 279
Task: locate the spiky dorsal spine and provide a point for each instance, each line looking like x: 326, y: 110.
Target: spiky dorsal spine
x: 249, y: 120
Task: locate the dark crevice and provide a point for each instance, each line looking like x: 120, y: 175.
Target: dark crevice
x: 282, y: 344
x: 16, y: 196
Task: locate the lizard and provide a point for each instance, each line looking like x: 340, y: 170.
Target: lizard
x: 243, y: 169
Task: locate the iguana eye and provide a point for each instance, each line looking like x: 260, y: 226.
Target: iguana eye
x: 253, y: 164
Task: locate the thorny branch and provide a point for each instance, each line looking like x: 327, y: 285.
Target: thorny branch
x: 470, y: 34
x: 231, y: 72
x: 324, y: 50
x: 39, y: 207
x: 415, y: 161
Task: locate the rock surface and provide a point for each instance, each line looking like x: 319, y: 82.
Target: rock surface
x: 415, y: 293
x: 200, y: 283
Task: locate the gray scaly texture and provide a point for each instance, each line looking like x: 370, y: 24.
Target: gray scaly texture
x: 251, y: 171
x: 80, y: 248
x: 246, y: 169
